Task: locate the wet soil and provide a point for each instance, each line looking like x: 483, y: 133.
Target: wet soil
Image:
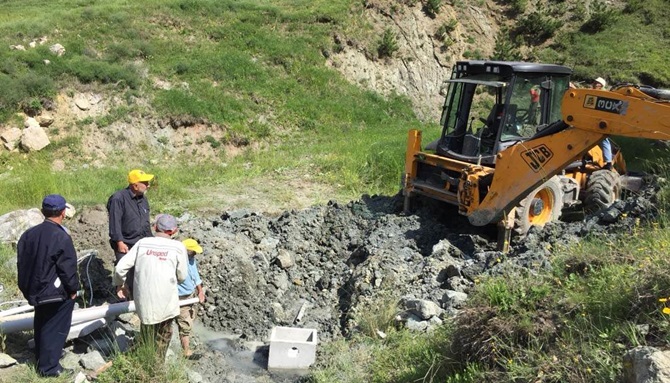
x: 319, y: 267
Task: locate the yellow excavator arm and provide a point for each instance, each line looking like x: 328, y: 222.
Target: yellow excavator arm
x: 588, y: 117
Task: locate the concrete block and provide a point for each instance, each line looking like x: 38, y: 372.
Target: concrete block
x: 292, y: 348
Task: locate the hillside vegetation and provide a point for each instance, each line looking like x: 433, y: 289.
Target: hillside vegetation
x: 254, y: 73
x: 281, y: 123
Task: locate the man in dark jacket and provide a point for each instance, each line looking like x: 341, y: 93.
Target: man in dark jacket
x: 47, y: 276
x: 129, y: 213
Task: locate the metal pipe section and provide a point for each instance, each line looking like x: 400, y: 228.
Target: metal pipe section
x: 16, y: 310
x: 24, y: 322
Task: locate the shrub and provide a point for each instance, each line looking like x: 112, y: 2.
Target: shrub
x: 633, y: 6
x: 212, y: 141
x: 388, y: 44
x: 519, y: 6
x: 537, y: 27
x: 31, y: 107
x: 432, y: 7
x: 601, y: 17
x: 505, y: 49
x: 445, y: 29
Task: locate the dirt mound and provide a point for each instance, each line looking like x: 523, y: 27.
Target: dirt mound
x: 335, y: 260
x: 329, y: 266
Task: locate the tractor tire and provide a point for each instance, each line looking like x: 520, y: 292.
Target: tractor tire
x: 541, y: 206
x: 602, y: 189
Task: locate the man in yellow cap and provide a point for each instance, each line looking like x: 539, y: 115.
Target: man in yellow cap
x: 129, y: 213
x: 191, y: 287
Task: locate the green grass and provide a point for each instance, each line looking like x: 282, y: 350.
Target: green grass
x: 142, y: 363
x: 629, y: 48
x: 244, y: 60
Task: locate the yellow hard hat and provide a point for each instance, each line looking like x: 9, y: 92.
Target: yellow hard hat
x: 192, y: 245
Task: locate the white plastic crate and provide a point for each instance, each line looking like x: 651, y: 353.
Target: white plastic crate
x: 292, y: 348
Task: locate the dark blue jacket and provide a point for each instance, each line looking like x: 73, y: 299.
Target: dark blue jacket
x: 47, y: 264
x: 128, y: 217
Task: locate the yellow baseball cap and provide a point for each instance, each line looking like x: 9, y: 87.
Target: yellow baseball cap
x: 192, y: 245
x: 137, y: 175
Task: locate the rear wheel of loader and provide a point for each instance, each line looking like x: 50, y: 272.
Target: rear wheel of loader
x: 542, y: 205
x: 602, y: 189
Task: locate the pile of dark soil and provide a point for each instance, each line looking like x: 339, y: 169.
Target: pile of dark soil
x: 323, y: 266
x: 259, y: 271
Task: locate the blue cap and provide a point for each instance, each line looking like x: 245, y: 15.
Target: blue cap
x: 166, y: 222
x: 54, y: 202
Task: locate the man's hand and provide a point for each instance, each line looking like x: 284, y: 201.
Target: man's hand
x: 121, y: 292
x: 121, y: 247
x: 201, y: 296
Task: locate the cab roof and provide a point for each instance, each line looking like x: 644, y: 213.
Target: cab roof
x: 508, y: 67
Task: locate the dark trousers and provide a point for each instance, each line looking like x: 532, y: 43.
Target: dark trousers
x: 52, y: 324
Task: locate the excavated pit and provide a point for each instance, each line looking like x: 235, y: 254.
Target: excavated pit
x: 336, y: 259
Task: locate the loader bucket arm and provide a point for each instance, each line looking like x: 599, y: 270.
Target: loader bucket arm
x: 591, y: 116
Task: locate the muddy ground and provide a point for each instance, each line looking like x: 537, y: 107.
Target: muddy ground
x: 335, y: 261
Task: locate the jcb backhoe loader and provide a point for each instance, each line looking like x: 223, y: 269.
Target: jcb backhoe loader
x: 509, y: 157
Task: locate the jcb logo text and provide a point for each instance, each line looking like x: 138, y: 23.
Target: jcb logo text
x: 536, y: 157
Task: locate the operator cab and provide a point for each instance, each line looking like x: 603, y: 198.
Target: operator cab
x: 491, y: 105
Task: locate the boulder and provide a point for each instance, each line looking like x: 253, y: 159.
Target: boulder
x: 14, y: 223
x: 57, y: 49
x: 11, y: 137
x: 645, y: 364
x: 34, y: 139
x: 45, y: 119
x: 6, y: 360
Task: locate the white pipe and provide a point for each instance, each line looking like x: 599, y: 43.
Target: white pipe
x: 301, y: 312
x: 24, y: 322
x: 78, y: 330
x: 85, y: 328
x: 16, y: 310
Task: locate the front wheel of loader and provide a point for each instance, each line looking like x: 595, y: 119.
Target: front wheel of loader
x: 602, y: 189
x: 541, y: 206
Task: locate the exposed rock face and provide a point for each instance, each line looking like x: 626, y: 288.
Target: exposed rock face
x: 426, y: 51
x: 646, y: 365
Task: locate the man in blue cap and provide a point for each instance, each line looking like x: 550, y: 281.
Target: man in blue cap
x: 47, y: 277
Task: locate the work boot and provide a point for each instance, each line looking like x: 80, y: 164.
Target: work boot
x: 608, y: 166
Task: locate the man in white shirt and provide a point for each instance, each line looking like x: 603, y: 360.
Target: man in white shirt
x: 160, y: 263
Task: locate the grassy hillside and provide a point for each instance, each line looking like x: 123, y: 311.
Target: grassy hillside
x: 256, y: 69
x: 622, y: 41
